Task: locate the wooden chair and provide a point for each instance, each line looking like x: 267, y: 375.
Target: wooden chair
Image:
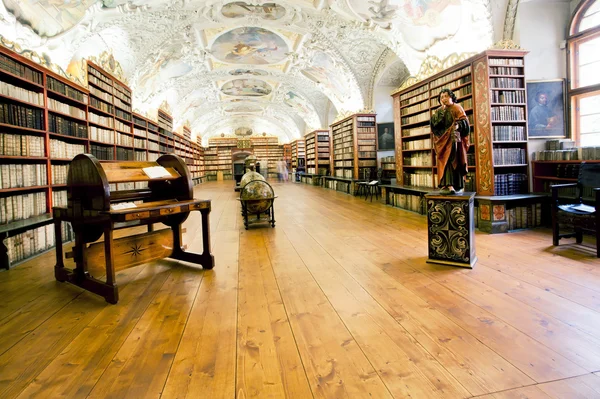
x: 573, y: 212
x: 373, y: 186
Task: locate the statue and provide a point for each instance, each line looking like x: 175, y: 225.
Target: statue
x: 450, y: 128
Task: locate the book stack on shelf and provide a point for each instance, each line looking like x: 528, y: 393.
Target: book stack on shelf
x: 354, y: 147
x: 318, y: 153
x: 153, y: 141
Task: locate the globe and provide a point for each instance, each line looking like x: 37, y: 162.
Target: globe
x: 249, y: 176
x: 257, y: 195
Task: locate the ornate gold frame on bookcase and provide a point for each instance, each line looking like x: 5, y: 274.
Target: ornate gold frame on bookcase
x: 484, y: 152
x: 432, y: 65
x: 108, y: 62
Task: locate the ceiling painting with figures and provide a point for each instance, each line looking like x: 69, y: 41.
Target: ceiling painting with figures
x: 282, y: 67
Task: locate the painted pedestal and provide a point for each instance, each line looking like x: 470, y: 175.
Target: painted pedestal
x: 451, y: 229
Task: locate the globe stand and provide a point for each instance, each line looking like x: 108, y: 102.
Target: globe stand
x: 257, y: 198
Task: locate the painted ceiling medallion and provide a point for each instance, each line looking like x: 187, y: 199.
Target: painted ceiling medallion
x: 243, y: 109
x: 255, y: 72
x: 250, y: 45
x: 246, y: 87
x: 243, y: 131
x: 240, y: 9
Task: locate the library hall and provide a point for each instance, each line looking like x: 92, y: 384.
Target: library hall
x: 300, y: 199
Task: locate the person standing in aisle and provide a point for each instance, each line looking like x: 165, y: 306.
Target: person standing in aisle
x: 450, y: 128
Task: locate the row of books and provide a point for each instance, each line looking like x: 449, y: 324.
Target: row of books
x: 506, y: 83
x: 510, y: 184
x: 103, y: 135
x: 101, y: 120
x: 506, y: 61
x: 524, y: 217
x: 21, y: 145
x: 507, y: 113
x: 22, y: 175
x: 124, y: 154
x: 420, y: 178
x: 6, y: 89
x: 509, y: 156
x: 424, y: 144
x: 506, y: 71
x: 59, y: 197
x: 452, y: 76
x: 338, y: 185
x: 418, y: 159
x: 60, y: 125
x: 101, y: 105
x: 58, y: 106
x: 556, y: 155
x: 60, y: 149
x: 415, y: 203
x: 508, y: 133
x: 102, y: 152
x: 20, y: 115
x: 16, y: 68
x: 125, y: 140
x: 504, y: 96
x: 22, y: 206
x: 31, y: 242
x: 66, y: 90
x: 59, y: 173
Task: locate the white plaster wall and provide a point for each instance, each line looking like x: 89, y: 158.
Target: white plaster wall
x: 385, y: 112
x: 541, y: 28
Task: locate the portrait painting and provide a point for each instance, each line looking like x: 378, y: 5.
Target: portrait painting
x: 246, y: 87
x: 250, y: 45
x: 546, y: 108
x: 385, y: 136
x: 240, y: 9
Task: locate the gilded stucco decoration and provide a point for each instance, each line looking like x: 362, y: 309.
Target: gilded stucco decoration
x: 433, y: 65
x: 482, y: 122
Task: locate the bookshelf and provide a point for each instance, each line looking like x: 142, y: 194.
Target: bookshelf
x: 267, y: 149
x: 45, y: 121
x: 354, y: 146
x: 318, y: 152
x: 388, y: 168
x: 491, y: 86
x: 298, y: 148
x: 218, y: 157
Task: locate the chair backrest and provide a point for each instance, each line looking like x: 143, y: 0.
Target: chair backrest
x: 589, y: 175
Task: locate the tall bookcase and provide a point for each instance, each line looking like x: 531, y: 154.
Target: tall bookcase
x: 354, y: 143
x: 267, y: 149
x: 218, y: 157
x: 491, y: 88
x: 45, y: 120
x: 287, y: 155
x: 298, y: 154
x: 318, y: 152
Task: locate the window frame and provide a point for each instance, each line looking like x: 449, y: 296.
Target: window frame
x: 575, y: 39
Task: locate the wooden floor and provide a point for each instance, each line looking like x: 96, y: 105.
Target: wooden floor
x: 335, y: 302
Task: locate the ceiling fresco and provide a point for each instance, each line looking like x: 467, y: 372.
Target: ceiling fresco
x: 278, y: 67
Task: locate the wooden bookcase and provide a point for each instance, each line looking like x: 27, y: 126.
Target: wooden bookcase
x: 354, y: 144
x: 267, y: 149
x: 388, y: 168
x: 46, y: 121
x: 298, y: 154
x: 491, y: 88
x: 318, y: 153
x: 218, y: 157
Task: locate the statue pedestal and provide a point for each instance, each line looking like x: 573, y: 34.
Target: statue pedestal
x: 451, y: 229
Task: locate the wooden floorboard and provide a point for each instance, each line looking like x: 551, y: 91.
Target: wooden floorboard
x: 335, y: 301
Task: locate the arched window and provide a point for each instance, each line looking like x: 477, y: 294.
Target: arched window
x: 584, y: 75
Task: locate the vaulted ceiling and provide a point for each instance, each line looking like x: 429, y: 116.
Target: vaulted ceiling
x: 280, y: 67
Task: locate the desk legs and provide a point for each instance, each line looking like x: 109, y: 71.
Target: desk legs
x: 205, y: 259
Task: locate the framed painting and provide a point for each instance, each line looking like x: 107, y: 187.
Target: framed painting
x: 385, y: 136
x: 546, y: 108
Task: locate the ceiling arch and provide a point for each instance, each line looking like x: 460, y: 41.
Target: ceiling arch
x: 221, y: 63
